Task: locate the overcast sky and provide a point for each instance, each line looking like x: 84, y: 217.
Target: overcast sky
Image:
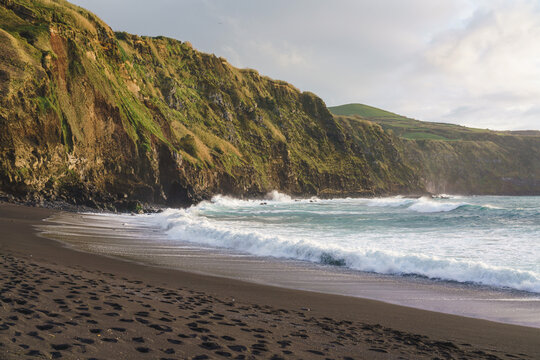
x: 475, y: 63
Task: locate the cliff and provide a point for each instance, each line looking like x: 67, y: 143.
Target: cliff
x: 455, y: 159
x: 108, y: 119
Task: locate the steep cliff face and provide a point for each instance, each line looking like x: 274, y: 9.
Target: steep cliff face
x: 96, y: 117
x: 454, y: 159
x: 506, y: 165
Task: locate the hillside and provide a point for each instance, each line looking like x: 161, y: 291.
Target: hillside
x: 461, y: 160
x: 109, y: 119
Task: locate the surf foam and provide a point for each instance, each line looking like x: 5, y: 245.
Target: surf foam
x: 425, y: 205
x: 191, y: 225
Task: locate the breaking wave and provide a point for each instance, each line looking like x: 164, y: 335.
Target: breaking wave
x: 201, y: 225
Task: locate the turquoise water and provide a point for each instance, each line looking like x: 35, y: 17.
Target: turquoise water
x: 492, y: 241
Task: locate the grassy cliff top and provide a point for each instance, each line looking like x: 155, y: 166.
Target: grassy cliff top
x: 413, y: 129
x: 364, y: 111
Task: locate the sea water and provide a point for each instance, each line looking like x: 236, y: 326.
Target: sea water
x: 471, y: 256
x: 485, y: 240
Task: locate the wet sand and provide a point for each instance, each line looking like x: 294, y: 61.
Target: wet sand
x: 61, y: 303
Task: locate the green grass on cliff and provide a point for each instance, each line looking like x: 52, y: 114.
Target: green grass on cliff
x: 365, y: 111
x: 411, y: 129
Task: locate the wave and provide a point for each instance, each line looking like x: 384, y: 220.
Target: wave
x: 446, y: 196
x: 278, y: 197
x: 396, y: 201
x: 425, y: 205
x: 420, y: 205
x: 187, y: 225
x: 273, y: 197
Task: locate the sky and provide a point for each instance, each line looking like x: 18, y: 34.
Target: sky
x: 473, y: 63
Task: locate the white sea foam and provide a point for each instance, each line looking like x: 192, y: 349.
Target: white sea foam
x: 447, y: 196
x: 421, y: 205
x: 273, y: 197
x: 425, y: 205
x: 278, y: 197
x: 389, y: 202
x: 192, y: 225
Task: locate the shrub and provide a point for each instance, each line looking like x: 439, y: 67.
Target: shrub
x: 187, y: 143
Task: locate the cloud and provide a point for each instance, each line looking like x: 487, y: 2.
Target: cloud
x: 472, y: 62
x: 486, y: 73
x: 286, y: 55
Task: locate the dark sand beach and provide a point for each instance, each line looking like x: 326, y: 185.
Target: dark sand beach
x: 61, y: 303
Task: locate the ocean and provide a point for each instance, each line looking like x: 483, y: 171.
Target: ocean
x: 486, y: 247
x: 485, y: 240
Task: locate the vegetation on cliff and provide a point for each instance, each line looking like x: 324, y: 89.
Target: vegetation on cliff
x: 460, y: 160
x: 96, y: 117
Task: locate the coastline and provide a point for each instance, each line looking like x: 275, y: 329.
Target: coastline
x: 396, y: 326
x: 140, y: 240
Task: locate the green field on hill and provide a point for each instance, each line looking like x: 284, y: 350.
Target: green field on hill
x: 412, y: 129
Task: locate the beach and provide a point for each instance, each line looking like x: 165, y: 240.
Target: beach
x: 62, y: 303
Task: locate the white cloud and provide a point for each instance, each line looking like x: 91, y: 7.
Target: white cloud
x: 485, y: 74
x: 286, y: 56
x: 473, y: 62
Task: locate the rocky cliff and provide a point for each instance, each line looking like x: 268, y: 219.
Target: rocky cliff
x: 454, y: 159
x: 105, y: 119
x: 504, y: 165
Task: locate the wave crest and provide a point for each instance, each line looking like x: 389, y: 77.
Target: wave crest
x: 420, y: 205
x: 425, y: 205
x: 187, y: 225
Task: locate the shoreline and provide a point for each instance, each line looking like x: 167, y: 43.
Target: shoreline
x: 142, y: 245
x: 21, y: 242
